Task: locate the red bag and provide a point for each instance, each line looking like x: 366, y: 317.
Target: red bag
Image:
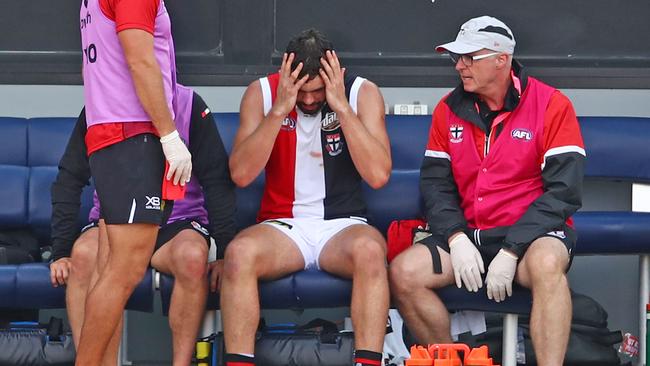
x: 400, y: 235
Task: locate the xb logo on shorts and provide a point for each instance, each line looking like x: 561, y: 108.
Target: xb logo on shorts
x: 330, y: 122
x: 153, y: 203
x: 289, y: 124
x: 334, y: 144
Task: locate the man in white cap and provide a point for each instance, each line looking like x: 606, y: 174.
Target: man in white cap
x: 501, y: 176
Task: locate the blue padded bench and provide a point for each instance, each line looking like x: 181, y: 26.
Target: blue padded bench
x: 30, y: 150
x: 617, y: 149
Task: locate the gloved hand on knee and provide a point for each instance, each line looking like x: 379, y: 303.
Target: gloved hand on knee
x: 501, y: 273
x: 467, y: 262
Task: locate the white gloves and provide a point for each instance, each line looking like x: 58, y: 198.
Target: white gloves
x: 179, y: 158
x: 467, y: 262
x: 500, y: 274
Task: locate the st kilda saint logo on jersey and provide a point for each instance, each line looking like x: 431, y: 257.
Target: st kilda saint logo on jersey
x: 334, y: 145
x: 289, y: 124
x: 330, y: 122
x: 456, y: 134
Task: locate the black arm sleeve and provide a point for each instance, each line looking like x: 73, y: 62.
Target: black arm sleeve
x: 562, y: 197
x: 74, y: 174
x: 210, y: 164
x: 441, y: 199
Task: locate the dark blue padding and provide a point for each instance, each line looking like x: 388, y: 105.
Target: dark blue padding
x: 40, y: 200
x: 607, y: 232
x: 617, y: 147
x: 318, y: 289
x: 460, y: 299
x: 13, y: 141
x: 410, y: 134
x: 47, y: 139
x: 13, y: 196
x: 34, y: 289
x: 248, y: 203
x: 397, y: 200
x: 277, y: 294
x: 227, y: 124
x: 7, y: 286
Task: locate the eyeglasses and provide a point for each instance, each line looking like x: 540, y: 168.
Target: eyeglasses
x: 469, y: 60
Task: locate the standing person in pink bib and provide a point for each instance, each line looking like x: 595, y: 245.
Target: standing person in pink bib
x: 129, y: 82
x: 504, y: 162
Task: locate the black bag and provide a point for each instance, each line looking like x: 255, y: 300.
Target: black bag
x: 30, y: 344
x: 590, y: 342
x: 317, y: 343
x: 18, y: 246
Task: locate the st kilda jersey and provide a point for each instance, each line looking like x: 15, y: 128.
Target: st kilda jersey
x: 310, y: 172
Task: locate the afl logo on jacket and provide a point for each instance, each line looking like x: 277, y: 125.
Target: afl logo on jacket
x: 521, y: 134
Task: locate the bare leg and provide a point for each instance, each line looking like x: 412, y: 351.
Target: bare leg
x: 542, y: 269
x: 259, y: 252
x: 84, y: 274
x: 359, y: 252
x: 412, y: 281
x: 84, y: 261
x: 130, y: 248
x: 111, y: 354
x: 185, y: 257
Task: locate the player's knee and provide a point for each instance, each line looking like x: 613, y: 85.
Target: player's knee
x: 369, y: 256
x: 402, y: 277
x: 240, y: 257
x: 368, y: 250
x: 84, y: 258
x: 546, y: 267
x: 191, y: 261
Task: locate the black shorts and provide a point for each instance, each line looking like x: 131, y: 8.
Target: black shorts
x: 168, y: 231
x: 90, y: 225
x: 490, y: 250
x: 128, y: 178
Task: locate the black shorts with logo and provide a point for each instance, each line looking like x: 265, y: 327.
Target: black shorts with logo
x: 488, y: 243
x: 168, y: 231
x: 128, y: 178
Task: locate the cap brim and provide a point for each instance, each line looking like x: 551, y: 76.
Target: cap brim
x: 460, y: 48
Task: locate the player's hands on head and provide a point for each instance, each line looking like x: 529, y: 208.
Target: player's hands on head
x: 334, y: 79
x: 288, y: 86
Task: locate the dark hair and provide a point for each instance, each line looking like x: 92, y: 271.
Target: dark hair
x: 308, y: 46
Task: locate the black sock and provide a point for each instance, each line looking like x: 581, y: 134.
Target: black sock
x: 235, y: 359
x: 367, y: 358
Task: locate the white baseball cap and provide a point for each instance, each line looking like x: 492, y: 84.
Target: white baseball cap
x: 482, y: 32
